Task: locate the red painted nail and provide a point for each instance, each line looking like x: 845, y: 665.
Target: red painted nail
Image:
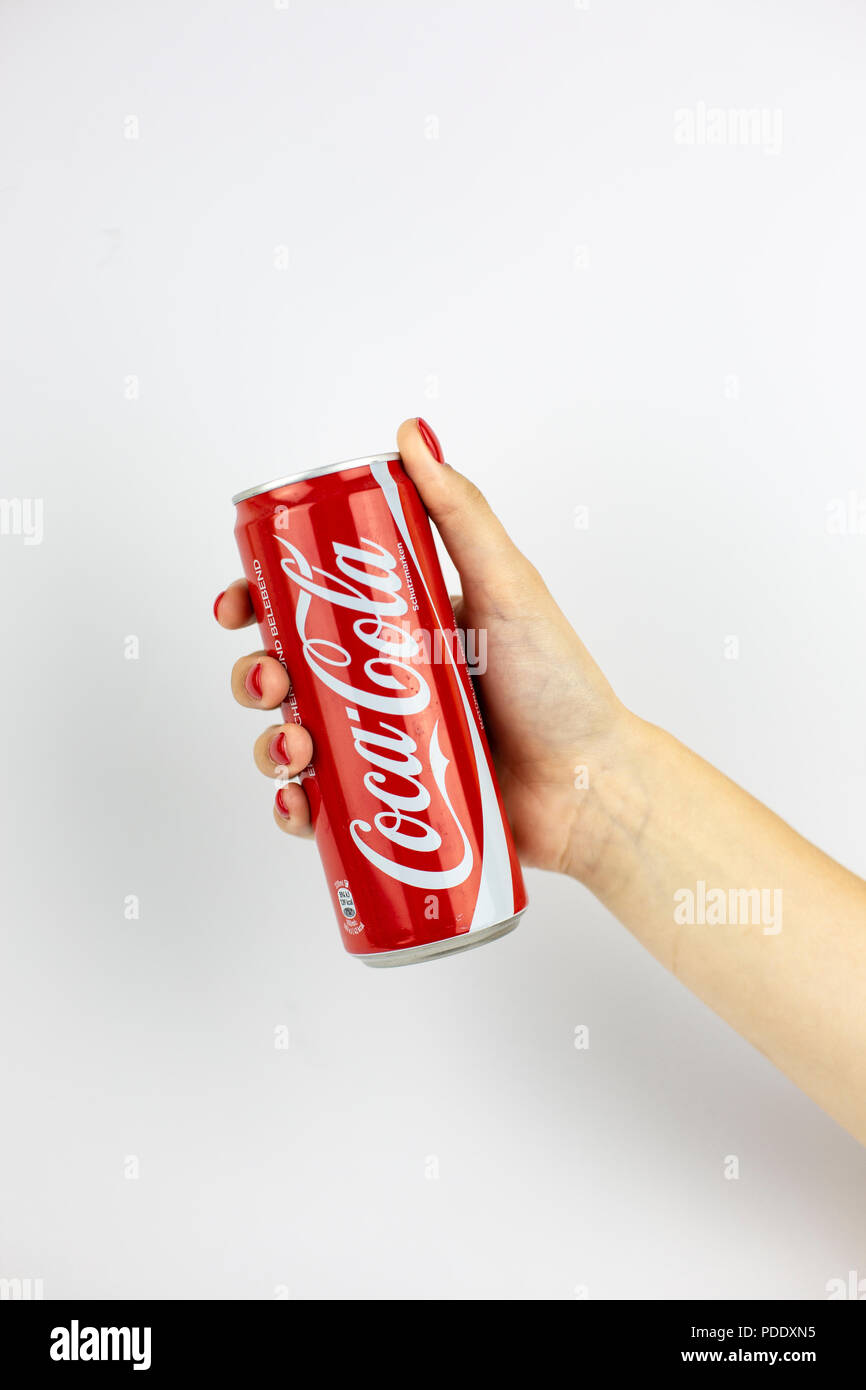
x: 282, y: 804
x: 430, y: 440
x: 253, y: 682
x: 216, y: 603
x: 278, y: 750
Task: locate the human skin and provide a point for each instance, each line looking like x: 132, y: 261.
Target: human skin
x: 647, y: 818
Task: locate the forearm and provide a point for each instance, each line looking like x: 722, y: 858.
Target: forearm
x: 683, y: 850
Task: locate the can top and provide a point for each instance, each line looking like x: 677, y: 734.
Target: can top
x: 311, y: 473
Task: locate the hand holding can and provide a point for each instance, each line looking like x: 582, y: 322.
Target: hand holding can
x: 349, y: 597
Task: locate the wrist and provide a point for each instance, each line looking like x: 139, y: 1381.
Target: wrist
x: 612, y: 807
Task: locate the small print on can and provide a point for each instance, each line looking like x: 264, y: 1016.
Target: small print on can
x: 407, y: 814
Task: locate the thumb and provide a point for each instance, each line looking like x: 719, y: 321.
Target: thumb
x: 484, y: 554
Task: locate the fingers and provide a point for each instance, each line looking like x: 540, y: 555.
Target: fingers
x: 292, y: 810
x: 259, y: 681
x: 474, y: 537
x: 233, y: 607
x: 283, y: 750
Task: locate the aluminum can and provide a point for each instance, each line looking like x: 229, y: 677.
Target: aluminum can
x: 349, y: 596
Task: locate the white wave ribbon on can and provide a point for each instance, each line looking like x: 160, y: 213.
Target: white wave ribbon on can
x: 495, y: 861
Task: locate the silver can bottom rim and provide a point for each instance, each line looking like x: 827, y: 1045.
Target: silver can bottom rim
x: 452, y: 945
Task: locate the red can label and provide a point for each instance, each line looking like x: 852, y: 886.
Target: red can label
x: 407, y: 814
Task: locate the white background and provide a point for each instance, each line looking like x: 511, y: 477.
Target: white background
x: 590, y: 315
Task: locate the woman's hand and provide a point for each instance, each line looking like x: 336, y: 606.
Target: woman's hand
x: 555, y: 726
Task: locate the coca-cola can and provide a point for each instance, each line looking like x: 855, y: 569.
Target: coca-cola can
x: 408, y: 818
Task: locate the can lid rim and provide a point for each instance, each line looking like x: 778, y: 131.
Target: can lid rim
x: 311, y: 473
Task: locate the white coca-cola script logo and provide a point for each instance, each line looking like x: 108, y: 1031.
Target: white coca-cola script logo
x: 369, y: 586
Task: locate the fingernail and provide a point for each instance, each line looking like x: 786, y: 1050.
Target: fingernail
x: 282, y: 804
x: 278, y: 751
x: 253, y: 681
x: 430, y: 440
x: 216, y: 603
